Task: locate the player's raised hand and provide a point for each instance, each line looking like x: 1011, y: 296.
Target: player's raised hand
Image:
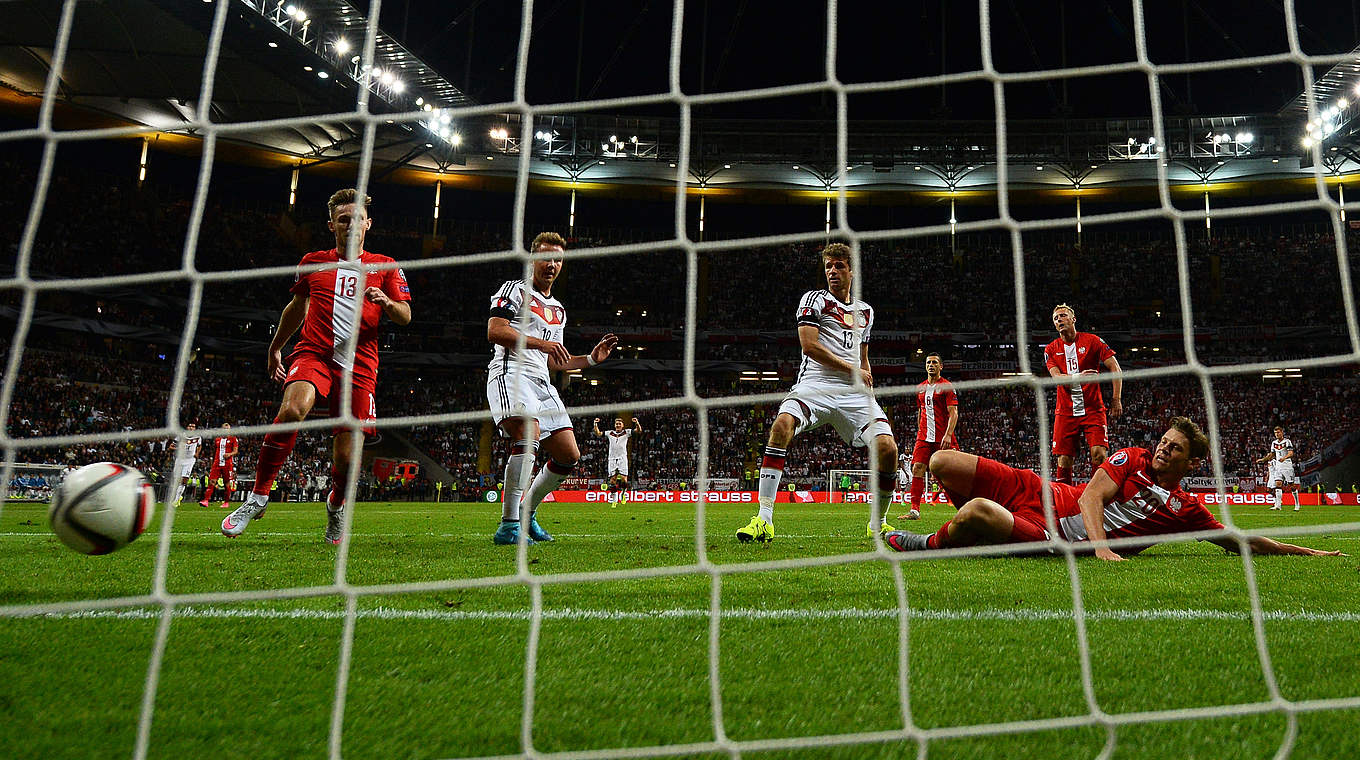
x: 601, y: 350
x: 556, y: 352
x: 276, y: 371
x: 375, y: 294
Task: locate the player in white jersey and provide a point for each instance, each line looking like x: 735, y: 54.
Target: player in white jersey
x: 616, y: 469
x: 1281, y: 459
x: 904, y: 480
x: 523, y: 401
x: 833, y: 332
x: 187, y: 462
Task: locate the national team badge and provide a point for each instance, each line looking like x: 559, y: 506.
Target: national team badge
x: 1119, y: 458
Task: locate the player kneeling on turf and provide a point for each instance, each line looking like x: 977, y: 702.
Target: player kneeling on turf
x: 834, y: 334
x: 1134, y: 494
x: 517, y: 385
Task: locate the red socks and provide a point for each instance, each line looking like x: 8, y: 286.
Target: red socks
x: 918, y: 488
x: 273, y: 453
x: 1062, y: 475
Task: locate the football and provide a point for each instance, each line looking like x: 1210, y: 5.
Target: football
x: 101, y: 507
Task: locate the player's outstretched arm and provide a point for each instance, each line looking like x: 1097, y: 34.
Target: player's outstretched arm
x: 1117, y: 389
x: 637, y: 425
x: 502, y: 333
x: 1099, y: 492
x: 397, y: 311
x: 814, y: 350
x: 1263, y: 545
x: 597, y: 427
x: 950, y: 427
x: 597, y: 354
x: 289, y: 322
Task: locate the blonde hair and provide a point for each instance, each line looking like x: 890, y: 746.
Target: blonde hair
x: 547, y: 238
x: 341, y: 197
x: 1070, y: 310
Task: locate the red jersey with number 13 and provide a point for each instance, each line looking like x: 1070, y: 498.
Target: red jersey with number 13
x: 334, y: 295
x: 1086, y: 352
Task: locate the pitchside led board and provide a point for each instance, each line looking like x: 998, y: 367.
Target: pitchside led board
x: 404, y: 469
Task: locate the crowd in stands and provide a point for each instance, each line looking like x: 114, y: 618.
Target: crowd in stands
x: 73, y: 381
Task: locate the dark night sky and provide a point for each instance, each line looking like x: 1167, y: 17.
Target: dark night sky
x: 738, y: 44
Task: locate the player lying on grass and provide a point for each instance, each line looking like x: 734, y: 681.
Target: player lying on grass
x: 1135, y: 493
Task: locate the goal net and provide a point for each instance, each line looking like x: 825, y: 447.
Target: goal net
x: 707, y: 649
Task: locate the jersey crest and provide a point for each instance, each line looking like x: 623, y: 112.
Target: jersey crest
x: 1119, y: 458
x: 552, y: 315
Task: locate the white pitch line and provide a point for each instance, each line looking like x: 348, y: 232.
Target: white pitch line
x: 588, y: 615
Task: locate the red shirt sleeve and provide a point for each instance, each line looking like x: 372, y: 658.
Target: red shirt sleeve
x: 1051, y: 359
x: 1103, y: 350
x: 394, y: 285
x: 1121, y: 464
x: 300, y: 287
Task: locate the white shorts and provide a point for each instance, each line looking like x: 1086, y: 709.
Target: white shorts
x: 903, y: 480
x: 618, y: 466
x: 186, y: 468
x: 1282, y: 471
x: 511, y: 396
x: 855, y: 415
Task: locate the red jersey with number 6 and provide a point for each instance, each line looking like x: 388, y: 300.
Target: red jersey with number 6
x: 334, y: 296
x: 932, y: 403
x: 1087, y: 352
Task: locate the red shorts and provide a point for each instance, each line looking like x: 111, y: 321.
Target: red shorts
x: 225, y: 473
x: 925, y: 448
x: 1068, y: 432
x: 307, y: 367
x: 1021, y: 492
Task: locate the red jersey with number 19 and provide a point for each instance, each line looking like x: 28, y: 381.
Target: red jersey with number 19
x: 334, y: 296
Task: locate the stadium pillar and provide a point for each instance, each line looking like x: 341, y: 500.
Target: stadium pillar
x: 141, y: 165
x: 571, y: 218
x: 292, y: 188
x: 828, y: 213
x: 702, y: 210
x: 438, y: 191
x: 1079, y: 217
x: 953, y: 220
x: 1340, y: 188
x: 1208, y: 227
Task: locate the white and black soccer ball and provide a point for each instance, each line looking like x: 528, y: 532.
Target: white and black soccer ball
x: 101, y: 507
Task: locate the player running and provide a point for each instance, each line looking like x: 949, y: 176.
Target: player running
x: 190, y: 460
x: 1281, y: 459
x: 223, y: 471
x: 1135, y: 493
x: 323, y: 305
x: 616, y: 470
x: 834, y: 334
x: 517, y: 384
x: 936, y: 420
x: 1081, y: 409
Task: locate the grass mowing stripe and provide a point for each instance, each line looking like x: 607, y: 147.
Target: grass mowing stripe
x: 849, y: 613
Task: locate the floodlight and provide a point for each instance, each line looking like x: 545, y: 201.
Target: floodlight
x: 634, y: 139
x: 291, y: 10
x: 429, y: 107
x: 420, y: 101
x: 1341, y: 103
x: 341, y: 46
x: 1152, y: 140
x: 1245, y: 137
x: 613, y: 138
x: 301, y: 16
x: 322, y: 75
x: 398, y: 86
x: 1307, y: 142
x: 727, y: 166
x: 456, y: 139
x: 388, y: 78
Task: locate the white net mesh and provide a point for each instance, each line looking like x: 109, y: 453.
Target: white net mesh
x: 172, y: 606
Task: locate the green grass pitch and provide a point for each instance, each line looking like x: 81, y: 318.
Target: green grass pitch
x: 624, y: 663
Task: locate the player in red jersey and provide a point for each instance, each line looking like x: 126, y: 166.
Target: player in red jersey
x: 1081, y: 409
x: 1134, y: 494
x: 936, y: 420
x: 223, y: 469
x: 324, y: 304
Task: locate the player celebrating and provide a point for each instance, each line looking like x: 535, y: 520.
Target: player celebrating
x: 186, y: 467
x: 1281, y: 459
x: 1081, y: 409
x: 834, y: 334
x: 223, y: 469
x: 517, y: 384
x: 936, y: 420
x: 323, y: 305
x: 616, y: 471
x: 1135, y: 493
